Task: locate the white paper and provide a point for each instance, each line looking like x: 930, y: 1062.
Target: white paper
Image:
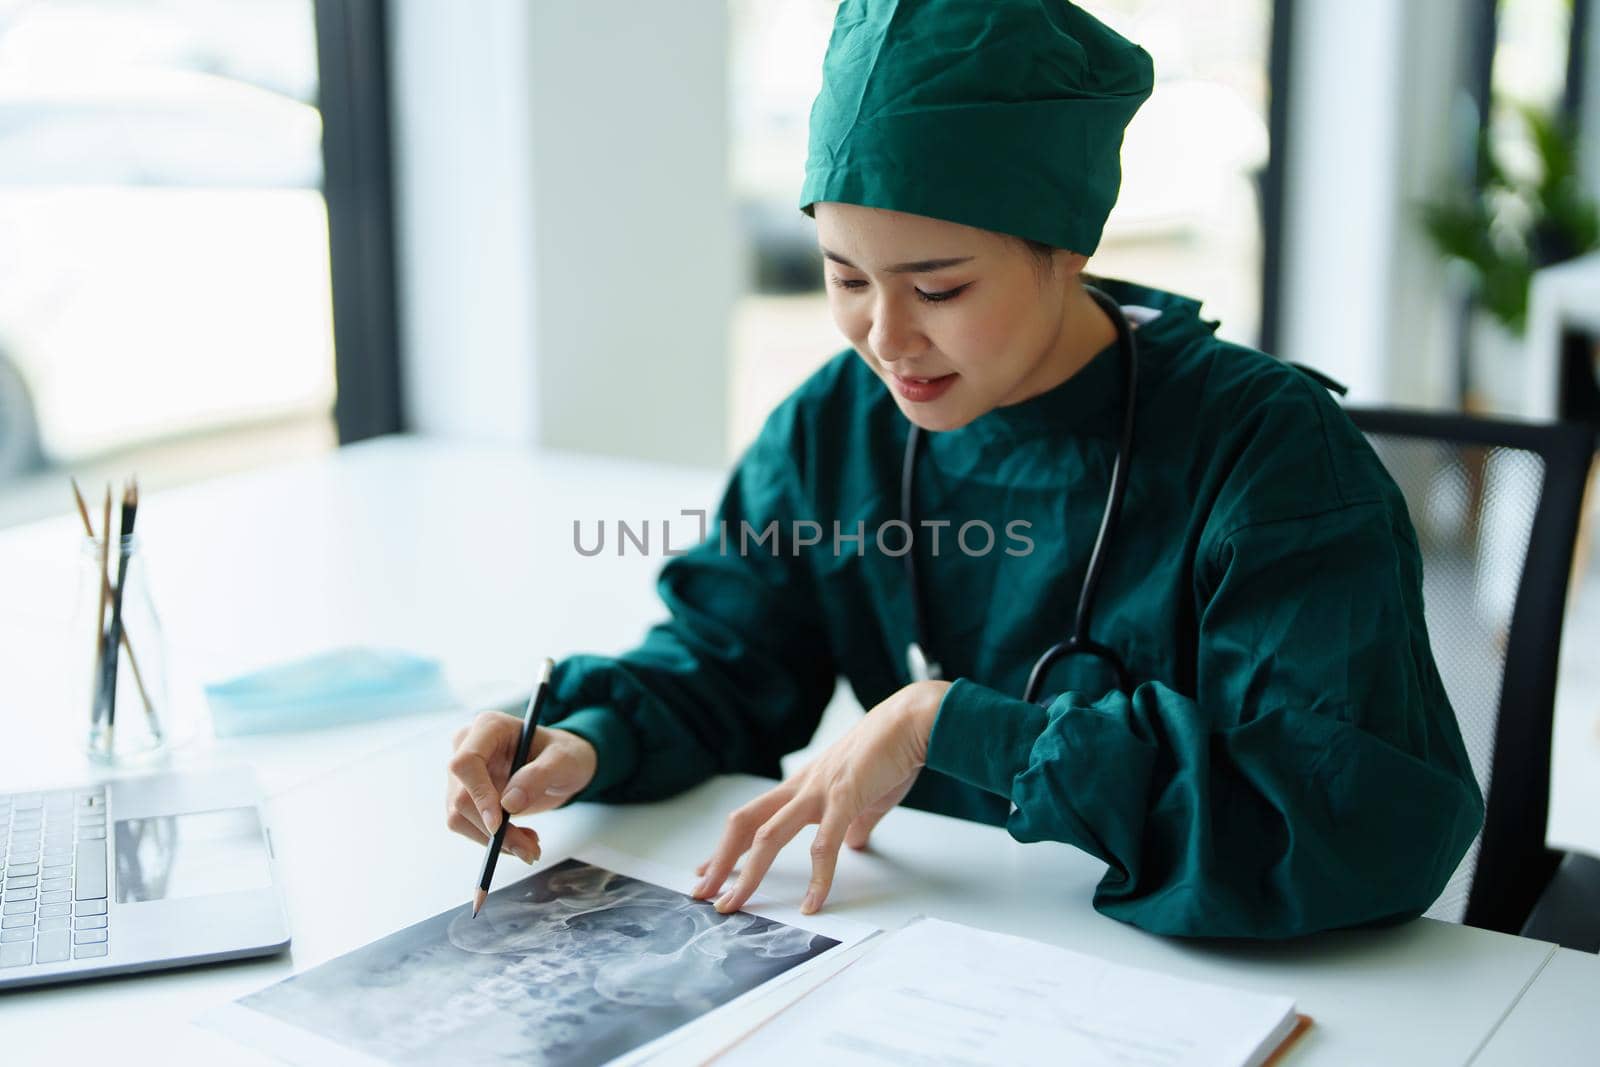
x: 598, y: 965
x: 705, y: 1040
x: 937, y: 991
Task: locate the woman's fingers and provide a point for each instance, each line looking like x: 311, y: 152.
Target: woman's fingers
x: 846, y: 790
x: 765, y: 845
x: 862, y: 825
x: 460, y: 824
x: 478, y: 792
x: 465, y: 819
x: 481, y: 757
x: 519, y: 840
x: 547, y: 781
x: 461, y: 806
x: 836, y: 809
x: 825, y: 856
x: 860, y: 829
x: 522, y: 843
x: 736, y: 837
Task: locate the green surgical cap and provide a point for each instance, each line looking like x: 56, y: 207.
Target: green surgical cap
x: 1006, y: 115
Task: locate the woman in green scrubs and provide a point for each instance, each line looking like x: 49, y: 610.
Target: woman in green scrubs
x: 1280, y: 758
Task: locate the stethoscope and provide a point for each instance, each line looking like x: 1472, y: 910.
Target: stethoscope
x: 920, y: 664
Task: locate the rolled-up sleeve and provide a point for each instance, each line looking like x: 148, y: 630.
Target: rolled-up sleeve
x: 740, y: 671
x: 1315, y: 778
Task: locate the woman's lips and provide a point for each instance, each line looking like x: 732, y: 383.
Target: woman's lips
x: 923, y: 390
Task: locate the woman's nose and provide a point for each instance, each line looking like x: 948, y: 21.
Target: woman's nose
x: 894, y: 336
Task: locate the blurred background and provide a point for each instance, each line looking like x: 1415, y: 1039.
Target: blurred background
x: 238, y: 231
x: 245, y: 232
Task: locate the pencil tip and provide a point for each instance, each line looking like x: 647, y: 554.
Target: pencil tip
x: 478, y: 897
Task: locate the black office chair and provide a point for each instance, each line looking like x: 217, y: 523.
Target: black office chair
x: 1496, y: 508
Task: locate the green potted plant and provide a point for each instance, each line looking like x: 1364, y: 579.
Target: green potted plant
x: 1510, y: 223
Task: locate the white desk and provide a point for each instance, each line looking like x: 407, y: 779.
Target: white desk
x: 466, y: 554
x: 1555, y: 1020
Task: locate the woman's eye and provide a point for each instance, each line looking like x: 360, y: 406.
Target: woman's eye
x: 925, y: 297
x: 938, y: 298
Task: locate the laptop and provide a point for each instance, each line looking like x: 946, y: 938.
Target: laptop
x: 135, y: 874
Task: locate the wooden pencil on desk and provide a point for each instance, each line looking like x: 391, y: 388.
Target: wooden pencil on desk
x: 100, y: 619
x: 530, y: 723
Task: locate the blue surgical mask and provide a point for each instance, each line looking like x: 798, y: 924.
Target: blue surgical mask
x: 340, y: 686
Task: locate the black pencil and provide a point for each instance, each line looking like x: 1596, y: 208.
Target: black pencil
x: 530, y: 723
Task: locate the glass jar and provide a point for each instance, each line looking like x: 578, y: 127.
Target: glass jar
x: 122, y: 696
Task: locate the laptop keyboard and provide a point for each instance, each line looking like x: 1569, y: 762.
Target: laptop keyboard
x: 53, y: 863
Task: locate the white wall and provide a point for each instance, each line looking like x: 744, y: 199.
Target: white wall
x: 634, y: 220
x: 1339, y: 192
x: 567, y: 249
x: 1365, y: 298
x: 463, y: 156
x: 566, y: 225
x: 1436, y: 130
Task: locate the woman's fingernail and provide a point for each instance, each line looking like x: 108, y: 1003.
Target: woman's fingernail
x: 724, y: 900
x: 809, y: 905
x: 700, y: 889
x: 489, y: 819
x: 515, y: 799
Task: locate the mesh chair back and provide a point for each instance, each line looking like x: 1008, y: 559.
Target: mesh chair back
x: 1495, y: 506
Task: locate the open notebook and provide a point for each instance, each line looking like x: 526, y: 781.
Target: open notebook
x: 937, y: 991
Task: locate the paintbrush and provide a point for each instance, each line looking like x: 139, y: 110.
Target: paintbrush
x: 130, y: 512
x: 100, y: 617
x: 530, y: 723
x: 105, y: 593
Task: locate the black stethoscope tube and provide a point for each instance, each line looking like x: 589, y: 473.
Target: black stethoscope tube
x: 1079, y: 643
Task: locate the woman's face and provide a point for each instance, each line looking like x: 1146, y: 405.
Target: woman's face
x: 956, y: 321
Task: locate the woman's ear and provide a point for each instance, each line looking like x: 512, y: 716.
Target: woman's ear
x: 1071, y: 263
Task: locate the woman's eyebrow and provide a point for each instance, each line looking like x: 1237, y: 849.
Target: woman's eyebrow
x: 916, y: 266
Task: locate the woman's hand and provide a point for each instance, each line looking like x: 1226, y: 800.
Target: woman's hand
x: 846, y: 790
x: 559, y: 765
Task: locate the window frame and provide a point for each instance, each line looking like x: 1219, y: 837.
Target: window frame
x: 354, y: 99
x: 1280, y: 41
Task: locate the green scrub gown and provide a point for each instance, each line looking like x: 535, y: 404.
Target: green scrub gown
x: 1288, y: 761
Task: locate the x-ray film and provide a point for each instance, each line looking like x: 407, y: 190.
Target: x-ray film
x: 576, y: 964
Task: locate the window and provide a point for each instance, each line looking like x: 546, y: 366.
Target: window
x: 165, y: 303
x: 1188, y: 217
x: 1532, y: 39
x: 782, y: 330
x: 1529, y: 70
